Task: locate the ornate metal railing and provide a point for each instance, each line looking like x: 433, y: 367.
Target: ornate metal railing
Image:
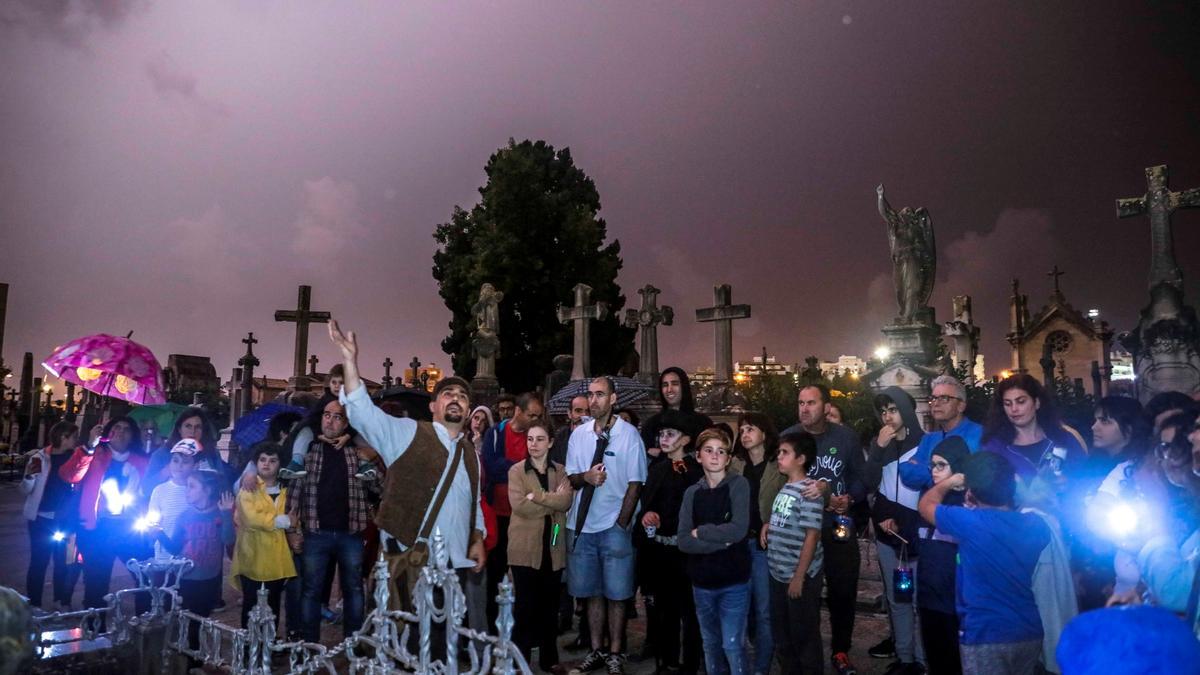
x: 381, y: 646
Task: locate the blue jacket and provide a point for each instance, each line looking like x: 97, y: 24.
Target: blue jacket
x: 495, y: 463
x: 915, y: 472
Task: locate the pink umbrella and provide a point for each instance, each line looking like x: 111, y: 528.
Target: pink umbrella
x: 110, y: 366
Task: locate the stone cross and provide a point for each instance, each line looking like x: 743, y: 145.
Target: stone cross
x: 1159, y: 202
x: 247, y: 362
x: 1055, y: 274
x: 723, y: 313
x: 415, y: 364
x: 648, y: 318
x: 387, y: 372
x: 3, y: 315
x: 582, y: 314
x: 302, y: 316
x: 312, y: 364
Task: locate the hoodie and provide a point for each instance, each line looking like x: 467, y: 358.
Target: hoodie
x: 893, y: 499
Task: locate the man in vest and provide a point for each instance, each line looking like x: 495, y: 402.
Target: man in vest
x: 432, y: 482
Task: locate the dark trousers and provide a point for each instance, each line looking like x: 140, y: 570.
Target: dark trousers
x: 321, y: 548
x: 250, y: 597
x: 497, y: 568
x: 291, y: 598
x: 842, y: 559
x: 535, y: 612
x: 111, y: 540
x: 43, y: 548
x: 199, y: 596
x: 939, y: 634
x: 796, y: 627
x: 670, y: 606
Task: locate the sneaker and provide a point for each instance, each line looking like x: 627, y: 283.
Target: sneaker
x: 595, y: 660
x: 292, y: 472
x: 841, y: 664
x: 615, y: 664
x: 886, y: 649
x: 330, y: 616
x: 369, y: 475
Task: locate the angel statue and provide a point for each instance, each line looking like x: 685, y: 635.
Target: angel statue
x: 914, y: 256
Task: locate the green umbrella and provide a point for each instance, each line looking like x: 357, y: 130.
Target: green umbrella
x: 162, y: 415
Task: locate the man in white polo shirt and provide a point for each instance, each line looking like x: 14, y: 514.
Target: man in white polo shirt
x: 606, y: 464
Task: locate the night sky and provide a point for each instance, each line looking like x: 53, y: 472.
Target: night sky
x: 177, y: 169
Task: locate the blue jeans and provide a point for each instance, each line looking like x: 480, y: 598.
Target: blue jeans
x: 319, y: 548
x: 760, y: 592
x: 722, y: 614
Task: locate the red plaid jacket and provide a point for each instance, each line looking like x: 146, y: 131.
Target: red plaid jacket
x: 305, y: 497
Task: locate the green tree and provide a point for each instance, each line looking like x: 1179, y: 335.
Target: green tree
x: 534, y: 235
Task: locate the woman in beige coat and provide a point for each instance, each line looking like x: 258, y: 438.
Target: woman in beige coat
x: 537, y: 552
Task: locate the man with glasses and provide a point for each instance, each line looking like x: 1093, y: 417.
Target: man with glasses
x: 947, y: 407
x: 503, y: 446
x: 606, y: 464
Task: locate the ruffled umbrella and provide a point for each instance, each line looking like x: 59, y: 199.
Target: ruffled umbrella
x: 109, y: 366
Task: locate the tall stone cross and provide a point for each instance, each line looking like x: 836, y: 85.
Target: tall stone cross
x: 1055, y: 274
x: 248, y: 362
x: 582, y: 314
x: 723, y: 313
x: 1159, y: 202
x: 648, y: 318
x: 415, y: 364
x: 387, y: 372
x: 302, y: 316
x: 312, y: 364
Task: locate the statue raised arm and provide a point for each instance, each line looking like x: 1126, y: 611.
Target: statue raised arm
x: 914, y: 255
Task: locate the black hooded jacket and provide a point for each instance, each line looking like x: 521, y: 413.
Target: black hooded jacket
x: 907, y: 520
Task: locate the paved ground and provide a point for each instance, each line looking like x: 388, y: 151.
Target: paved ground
x: 870, y: 626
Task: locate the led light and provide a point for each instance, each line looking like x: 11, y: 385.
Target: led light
x: 1122, y: 519
x: 141, y: 524
x: 59, y: 536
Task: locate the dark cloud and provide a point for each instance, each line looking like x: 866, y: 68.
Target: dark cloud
x: 69, y: 22
x: 172, y: 82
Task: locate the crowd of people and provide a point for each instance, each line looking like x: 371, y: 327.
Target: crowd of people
x: 990, y: 537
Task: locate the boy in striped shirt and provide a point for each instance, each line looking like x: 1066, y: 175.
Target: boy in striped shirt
x: 794, y: 557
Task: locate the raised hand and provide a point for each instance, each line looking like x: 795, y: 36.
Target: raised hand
x: 347, y: 342
x: 226, y: 501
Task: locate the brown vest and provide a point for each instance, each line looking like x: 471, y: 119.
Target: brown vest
x: 412, y: 484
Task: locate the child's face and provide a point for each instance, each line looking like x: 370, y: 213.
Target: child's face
x: 714, y: 456
x: 268, y: 466
x: 789, y: 462
x: 181, y: 467
x: 939, y: 468
x: 197, y: 495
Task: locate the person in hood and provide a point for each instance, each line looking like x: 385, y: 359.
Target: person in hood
x: 674, y: 393
x: 894, y: 514
x: 936, y: 578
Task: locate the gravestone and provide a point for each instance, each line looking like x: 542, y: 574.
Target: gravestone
x: 722, y: 396
x: 964, y: 337
x: 387, y: 372
x: 648, y: 318
x: 1166, y: 342
x: 248, y: 363
x: 302, y: 316
x: 582, y: 314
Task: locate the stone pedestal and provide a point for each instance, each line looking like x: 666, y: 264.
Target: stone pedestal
x: 484, y: 391
x: 917, y: 341
x: 1165, y: 345
x: 911, y: 365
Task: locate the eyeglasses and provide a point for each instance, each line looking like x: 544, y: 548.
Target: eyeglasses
x: 938, y: 466
x: 943, y: 399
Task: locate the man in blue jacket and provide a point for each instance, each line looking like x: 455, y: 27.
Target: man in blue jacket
x: 947, y: 407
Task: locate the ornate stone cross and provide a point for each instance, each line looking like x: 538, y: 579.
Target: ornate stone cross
x: 582, y: 314
x: 302, y: 316
x: 1159, y: 202
x: 387, y: 372
x: 415, y: 364
x: 648, y: 318
x: 312, y: 364
x: 723, y: 313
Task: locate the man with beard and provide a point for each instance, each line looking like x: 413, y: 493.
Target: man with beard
x: 675, y: 393
x: 432, y: 480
